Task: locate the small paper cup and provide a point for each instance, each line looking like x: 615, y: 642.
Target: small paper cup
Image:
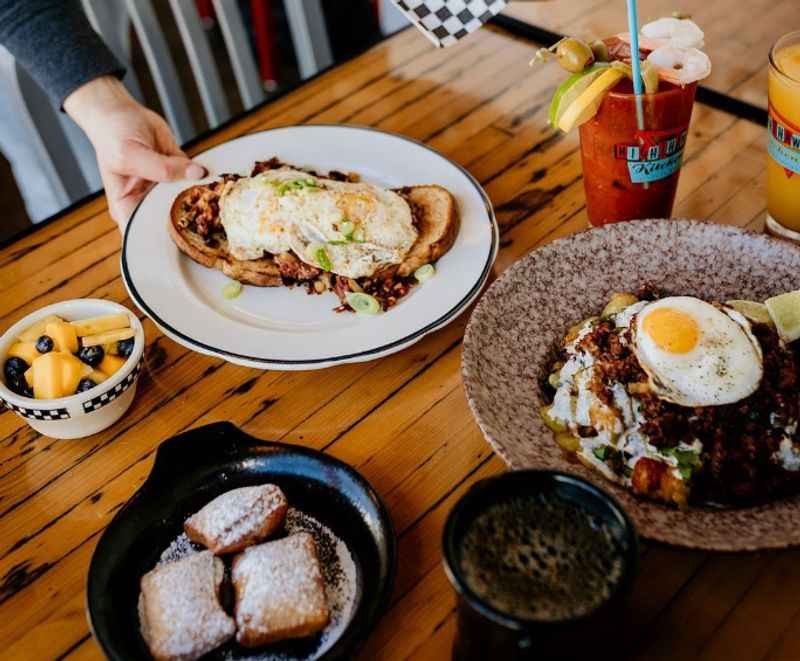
x: 88, y: 412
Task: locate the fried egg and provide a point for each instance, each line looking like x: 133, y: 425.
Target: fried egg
x: 696, y: 354
x: 253, y: 218
x: 351, y: 229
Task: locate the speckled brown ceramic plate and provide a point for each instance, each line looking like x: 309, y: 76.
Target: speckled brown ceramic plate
x: 516, y: 327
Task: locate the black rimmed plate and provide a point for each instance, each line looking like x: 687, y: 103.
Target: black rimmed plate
x: 195, y: 467
x: 282, y: 328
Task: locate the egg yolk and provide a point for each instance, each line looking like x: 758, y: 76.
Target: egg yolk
x: 673, y: 331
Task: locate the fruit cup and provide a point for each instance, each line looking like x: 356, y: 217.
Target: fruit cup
x: 84, y: 413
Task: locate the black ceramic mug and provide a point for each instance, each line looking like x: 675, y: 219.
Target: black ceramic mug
x: 484, y: 632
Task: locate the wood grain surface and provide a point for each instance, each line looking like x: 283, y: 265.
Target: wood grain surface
x: 403, y: 421
x: 739, y: 35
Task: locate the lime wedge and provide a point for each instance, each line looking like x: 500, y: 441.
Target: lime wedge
x: 785, y: 312
x: 571, y: 88
x: 588, y: 102
x: 753, y: 310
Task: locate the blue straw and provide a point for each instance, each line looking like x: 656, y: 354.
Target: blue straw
x: 636, y: 65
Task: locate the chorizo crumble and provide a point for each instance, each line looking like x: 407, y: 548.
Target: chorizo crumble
x: 737, y: 462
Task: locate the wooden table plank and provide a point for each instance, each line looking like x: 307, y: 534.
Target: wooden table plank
x: 403, y: 420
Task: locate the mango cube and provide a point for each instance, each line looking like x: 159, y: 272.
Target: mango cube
x: 97, y: 376
x: 24, y: 350
x: 111, y: 364
x: 64, y: 336
x: 48, y: 376
x: 32, y: 333
x: 72, y: 371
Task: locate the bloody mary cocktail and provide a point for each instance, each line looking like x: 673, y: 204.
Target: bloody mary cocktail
x: 629, y: 173
x: 631, y: 144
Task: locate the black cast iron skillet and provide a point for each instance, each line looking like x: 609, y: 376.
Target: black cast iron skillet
x: 195, y: 467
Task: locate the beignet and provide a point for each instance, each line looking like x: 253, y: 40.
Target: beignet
x: 179, y: 611
x: 238, y: 518
x: 279, y: 591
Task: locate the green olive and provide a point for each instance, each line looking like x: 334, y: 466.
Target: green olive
x: 600, y: 51
x: 574, y: 55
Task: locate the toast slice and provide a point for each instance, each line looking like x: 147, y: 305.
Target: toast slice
x: 211, y: 249
x: 438, y: 223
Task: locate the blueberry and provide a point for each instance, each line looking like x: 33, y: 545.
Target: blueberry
x: 14, y: 368
x: 19, y: 385
x: 44, y: 344
x: 91, y: 355
x: 85, y: 384
x: 125, y: 347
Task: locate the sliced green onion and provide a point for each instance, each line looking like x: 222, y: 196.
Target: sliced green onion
x: 323, y: 260
x: 363, y: 303
x: 347, y: 228
x: 295, y: 184
x: 337, y: 243
x: 600, y: 452
x: 232, y: 290
x: 357, y: 236
x: 424, y: 272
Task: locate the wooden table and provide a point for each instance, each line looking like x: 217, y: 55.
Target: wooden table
x: 403, y: 421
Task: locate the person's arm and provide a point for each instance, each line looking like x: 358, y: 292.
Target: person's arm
x: 54, y: 42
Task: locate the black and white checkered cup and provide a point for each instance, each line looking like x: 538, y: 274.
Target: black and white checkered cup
x: 88, y: 412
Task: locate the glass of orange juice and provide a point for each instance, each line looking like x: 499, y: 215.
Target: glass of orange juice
x: 783, y: 166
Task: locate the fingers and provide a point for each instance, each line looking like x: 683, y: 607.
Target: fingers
x: 139, y: 160
x: 123, y: 194
x: 166, y: 139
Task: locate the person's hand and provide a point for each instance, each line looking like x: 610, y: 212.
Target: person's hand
x: 134, y: 146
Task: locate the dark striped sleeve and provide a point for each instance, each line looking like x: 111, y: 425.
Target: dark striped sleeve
x: 54, y: 42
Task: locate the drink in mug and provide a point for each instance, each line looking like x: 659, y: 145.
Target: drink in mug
x: 540, y: 559
x: 630, y: 173
x: 541, y: 563
x: 783, y: 163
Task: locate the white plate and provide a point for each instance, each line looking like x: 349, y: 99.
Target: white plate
x: 281, y: 328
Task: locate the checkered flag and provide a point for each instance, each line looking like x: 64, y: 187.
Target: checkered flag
x: 444, y: 22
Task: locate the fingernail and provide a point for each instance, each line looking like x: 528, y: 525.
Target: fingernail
x: 195, y: 171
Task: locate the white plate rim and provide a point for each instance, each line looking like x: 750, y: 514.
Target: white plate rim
x: 312, y: 363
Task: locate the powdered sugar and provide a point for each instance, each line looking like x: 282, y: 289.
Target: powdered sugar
x: 179, y: 609
x: 238, y: 515
x: 279, y: 589
x: 339, y: 574
x: 180, y: 547
x: 341, y: 591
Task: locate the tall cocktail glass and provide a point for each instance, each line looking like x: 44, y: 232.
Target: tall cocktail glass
x: 630, y: 174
